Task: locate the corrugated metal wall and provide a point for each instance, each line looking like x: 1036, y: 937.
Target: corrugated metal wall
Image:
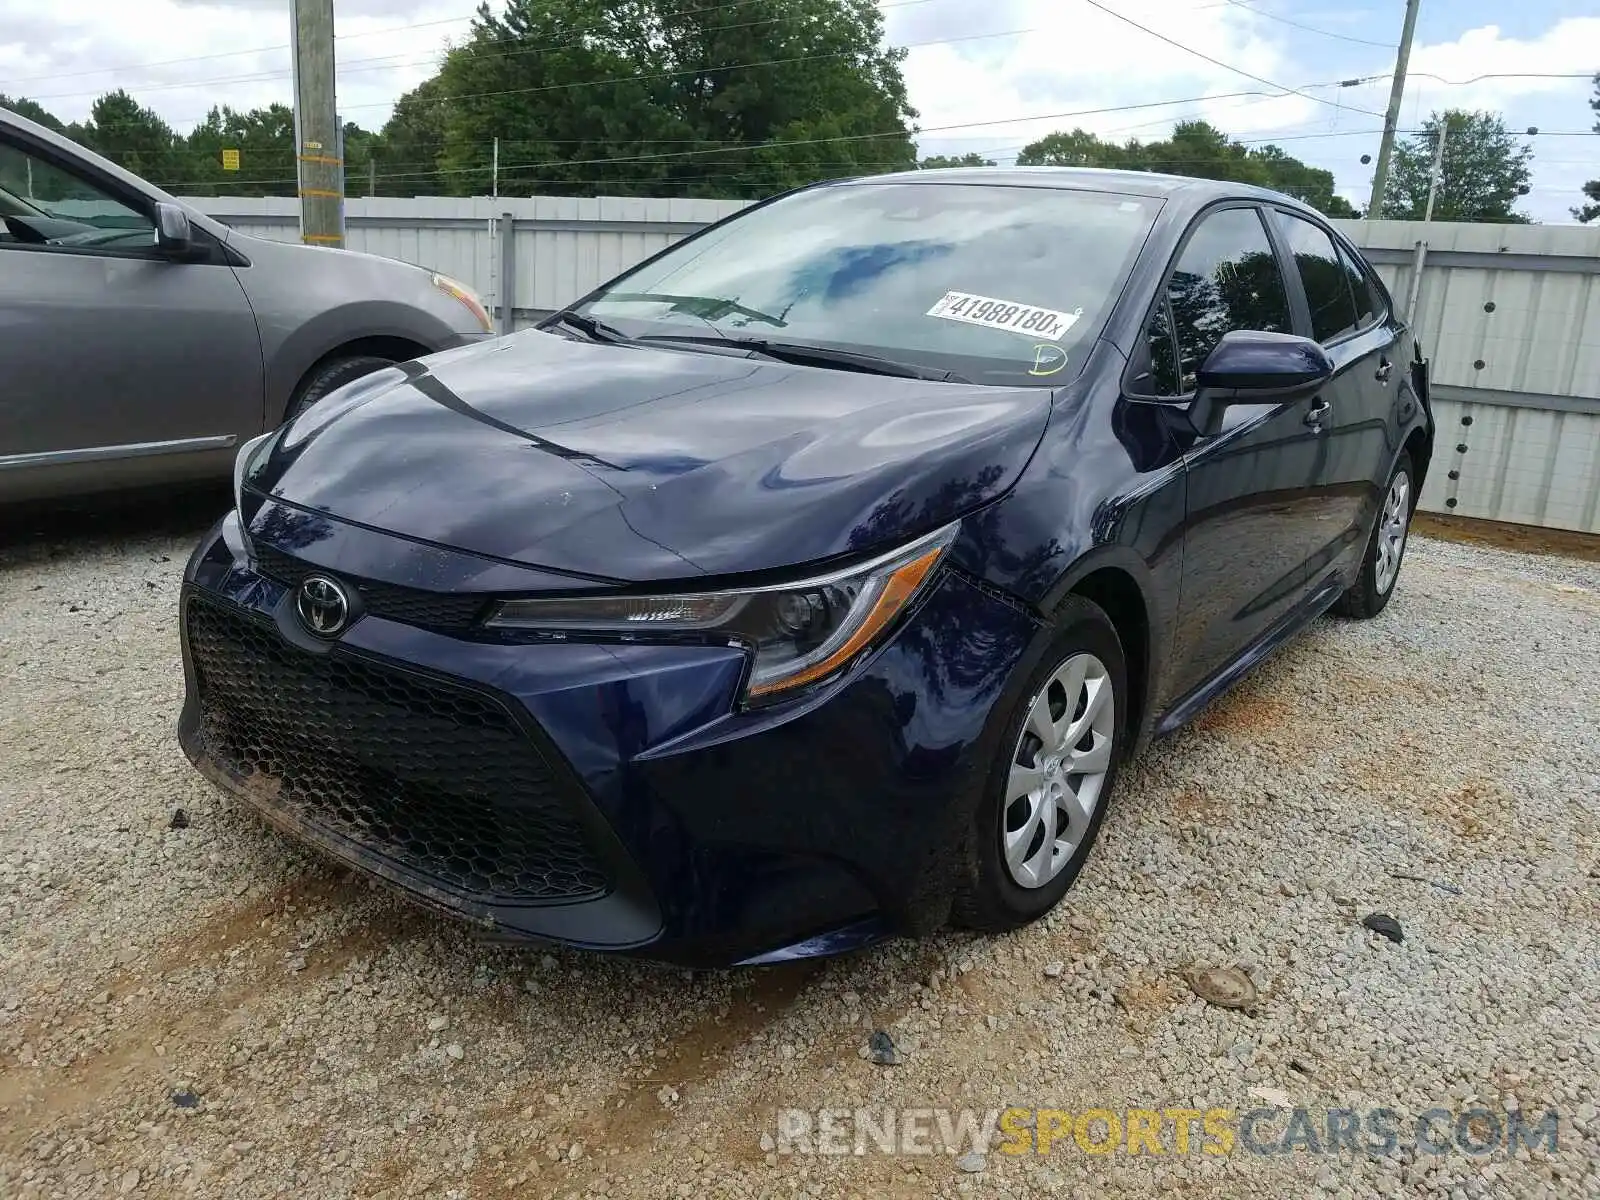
x: 565, y: 246
x: 1509, y: 315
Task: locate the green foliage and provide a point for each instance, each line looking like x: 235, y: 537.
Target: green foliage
x: 641, y: 96
x: 1485, y: 171
x: 264, y: 138
x: 936, y: 162
x: 33, y: 111
x: 674, y: 97
x: 132, y: 136
x: 1199, y: 150
x: 1587, y: 212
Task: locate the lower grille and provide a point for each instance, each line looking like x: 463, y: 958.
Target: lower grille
x: 409, y: 606
x: 440, y: 780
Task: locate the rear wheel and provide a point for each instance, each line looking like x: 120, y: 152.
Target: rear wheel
x: 1046, y: 793
x: 1386, y: 549
x: 330, y: 374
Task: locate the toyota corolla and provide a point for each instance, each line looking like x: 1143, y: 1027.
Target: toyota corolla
x: 808, y: 583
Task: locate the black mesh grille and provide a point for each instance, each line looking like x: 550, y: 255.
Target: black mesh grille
x: 439, y: 780
x: 410, y: 606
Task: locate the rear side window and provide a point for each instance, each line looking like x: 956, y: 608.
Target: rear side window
x: 1227, y: 278
x: 1361, y: 288
x: 1333, y: 310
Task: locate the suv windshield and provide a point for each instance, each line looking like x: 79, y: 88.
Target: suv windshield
x: 997, y: 284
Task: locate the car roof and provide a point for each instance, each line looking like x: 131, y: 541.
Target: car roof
x: 1190, y: 191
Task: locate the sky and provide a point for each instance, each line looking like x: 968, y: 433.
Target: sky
x: 985, y: 75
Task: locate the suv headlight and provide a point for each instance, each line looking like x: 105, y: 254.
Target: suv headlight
x: 798, y: 633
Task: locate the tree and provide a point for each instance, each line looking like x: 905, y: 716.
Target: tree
x: 1197, y: 149
x: 133, y: 137
x: 1080, y: 148
x: 406, y: 151
x: 1591, y: 210
x: 935, y: 162
x: 1485, y: 171
x: 1312, y: 185
x: 635, y: 96
x: 264, y: 138
x: 33, y: 111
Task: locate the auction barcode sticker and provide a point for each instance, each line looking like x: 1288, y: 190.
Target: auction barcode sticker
x: 1045, y: 323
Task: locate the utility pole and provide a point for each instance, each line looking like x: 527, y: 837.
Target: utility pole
x: 316, y: 124
x: 1420, y: 258
x: 1391, y: 119
x: 494, y: 178
x: 1436, y: 176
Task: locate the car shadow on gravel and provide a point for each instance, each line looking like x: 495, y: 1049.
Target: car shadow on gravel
x: 64, y: 527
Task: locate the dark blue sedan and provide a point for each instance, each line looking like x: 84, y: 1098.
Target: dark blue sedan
x: 809, y: 582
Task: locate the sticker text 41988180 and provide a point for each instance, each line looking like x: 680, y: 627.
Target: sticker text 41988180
x: 1028, y: 319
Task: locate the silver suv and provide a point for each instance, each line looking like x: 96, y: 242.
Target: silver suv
x: 141, y: 341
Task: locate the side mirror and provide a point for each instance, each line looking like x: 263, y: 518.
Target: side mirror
x: 1253, y: 368
x: 173, y: 235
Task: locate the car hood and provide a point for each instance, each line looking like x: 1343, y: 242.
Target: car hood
x: 629, y: 463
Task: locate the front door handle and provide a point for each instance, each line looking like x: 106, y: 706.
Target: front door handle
x: 1385, y: 369
x: 1319, y: 412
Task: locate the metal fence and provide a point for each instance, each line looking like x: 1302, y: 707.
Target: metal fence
x: 1509, y: 315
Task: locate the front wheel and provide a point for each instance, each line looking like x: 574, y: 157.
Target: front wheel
x: 1386, y: 549
x: 330, y: 374
x: 1046, y: 793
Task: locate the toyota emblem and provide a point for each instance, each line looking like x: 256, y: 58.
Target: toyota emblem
x: 323, y: 605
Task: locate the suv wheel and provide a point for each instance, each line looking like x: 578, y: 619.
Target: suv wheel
x: 1047, y: 791
x: 1386, y: 549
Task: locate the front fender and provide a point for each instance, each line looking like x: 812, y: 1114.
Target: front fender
x: 300, y: 348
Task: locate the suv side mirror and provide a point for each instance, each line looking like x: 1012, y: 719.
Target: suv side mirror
x: 173, y: 235
x: 1248, y: 367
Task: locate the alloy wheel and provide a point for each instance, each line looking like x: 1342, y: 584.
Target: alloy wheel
x: 1058, y: 770
x: 1393, y: 523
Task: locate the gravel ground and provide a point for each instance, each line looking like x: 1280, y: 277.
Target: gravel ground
x: 207, y: 1011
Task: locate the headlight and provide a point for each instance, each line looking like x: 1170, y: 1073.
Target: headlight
x: 460, y: 291
x: 248, y: 455
x: 799, y: 633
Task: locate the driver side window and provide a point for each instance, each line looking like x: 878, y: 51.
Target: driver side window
x: 44, y: 207
x: 1227, y: 278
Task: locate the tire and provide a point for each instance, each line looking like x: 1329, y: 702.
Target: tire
x: 1386, y: 548
x: 991, y: 896
x: 330, y: 374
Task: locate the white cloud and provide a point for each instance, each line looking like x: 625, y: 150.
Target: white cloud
x: 182, y: 56
x: 1570, y: 46
x: 1074, y: 58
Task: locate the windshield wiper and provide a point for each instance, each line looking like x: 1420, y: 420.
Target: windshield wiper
x: 596, y: 330
x: 707, y: 308
x: 817, y: 356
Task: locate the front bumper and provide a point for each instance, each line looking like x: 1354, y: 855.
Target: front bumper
x: 609, y: 796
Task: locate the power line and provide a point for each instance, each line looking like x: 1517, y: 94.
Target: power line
x: 1501, y: 75
x: 260, y: 76
x: 583, y: 83
x: 1328, y: 33
x: 171, y: 62
x: 752, y: 147
x: 1217, y: 62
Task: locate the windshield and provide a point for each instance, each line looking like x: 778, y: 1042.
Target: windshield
x: 1001, y: 285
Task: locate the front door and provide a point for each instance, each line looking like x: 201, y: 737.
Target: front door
x: 116, y: 364
x: 1249, y: 512
x: 1343, y: 314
